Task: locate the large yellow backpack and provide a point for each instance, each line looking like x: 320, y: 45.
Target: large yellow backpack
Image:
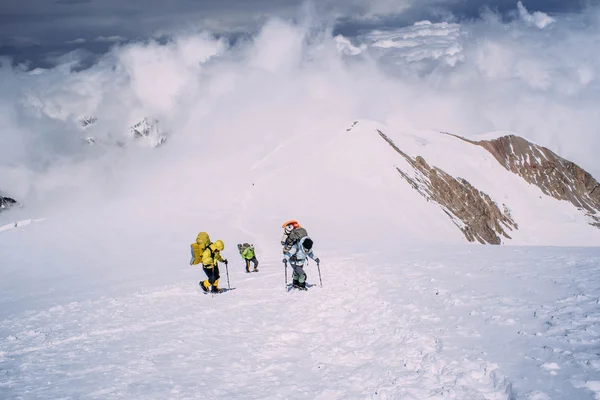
x: 202, y: 242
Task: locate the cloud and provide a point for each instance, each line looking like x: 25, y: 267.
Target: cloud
x: 114, y: 38
x: 421, y: 41
x: 76, y: 41
x: 221, y: 99
x: 538, y: 19
x: 365, y: 9
x: 157, y: 75
x: 51, y: 22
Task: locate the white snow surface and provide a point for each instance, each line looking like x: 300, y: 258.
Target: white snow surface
x: 97, y: 301
x: 435, y: 322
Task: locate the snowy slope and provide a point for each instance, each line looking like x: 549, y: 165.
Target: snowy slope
x: 100, y: 302
x: 453, y: 322
x: 542, y: 220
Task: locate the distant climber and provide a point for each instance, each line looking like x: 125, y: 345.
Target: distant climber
x: 249, y: 255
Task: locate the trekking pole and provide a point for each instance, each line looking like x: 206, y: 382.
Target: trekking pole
x: 319, y: 269
x: 213, y: 279
x: 227, y: 270
x: 286, y: 284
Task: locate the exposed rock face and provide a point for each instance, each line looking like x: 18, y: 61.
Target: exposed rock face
x: 147, y: 131
x: 149, y: 128
x: 87, y: 120
x: 6, y: 203
x: 471, y: 210
x: 555, y: 176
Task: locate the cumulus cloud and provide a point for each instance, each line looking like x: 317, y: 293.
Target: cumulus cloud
x: 220, y: 98
x: 423, y: 40
x: 537, y: 19
x: 159, y: 74
x: 345, y: 46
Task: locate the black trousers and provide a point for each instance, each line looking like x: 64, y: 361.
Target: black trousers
x: 253, y: 260
x: 212, y: 274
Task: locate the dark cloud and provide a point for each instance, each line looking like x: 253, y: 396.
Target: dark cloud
x: 52, y: 24
x: 442, y: 10
x: 70, y: 2
x: 472, y: 8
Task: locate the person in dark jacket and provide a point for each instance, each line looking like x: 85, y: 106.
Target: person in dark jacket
x: 297, y: 257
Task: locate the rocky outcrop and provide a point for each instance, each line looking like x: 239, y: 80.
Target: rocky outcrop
x: 87, y: 121
x: 147, y: 132
x: 6, y: 203
x: 472, y: 211
x: 554, y: 175
x: 148, y: 128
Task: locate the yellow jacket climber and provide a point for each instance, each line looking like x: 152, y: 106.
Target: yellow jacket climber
x: 212, y: 254
x: 210, y: 263
x: 202, y: 242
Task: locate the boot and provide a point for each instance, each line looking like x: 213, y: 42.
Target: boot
x: 215, y: 287
x: 255, y: 269
x: 295, y: 283
x: 204, y: 285
x: 247, y: 270
x: 302, y: 285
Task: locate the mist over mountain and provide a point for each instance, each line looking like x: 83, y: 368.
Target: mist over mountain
x: 243, y: 99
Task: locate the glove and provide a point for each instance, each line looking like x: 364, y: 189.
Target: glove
x: 225, y: 262
x: 284, y: 260
x: 317, y: 260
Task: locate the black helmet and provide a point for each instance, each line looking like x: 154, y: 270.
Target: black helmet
x: 308, y: 243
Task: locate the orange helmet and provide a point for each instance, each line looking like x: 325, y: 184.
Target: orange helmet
x: 292, y: 222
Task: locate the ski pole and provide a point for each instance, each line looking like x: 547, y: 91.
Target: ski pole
x: 286, y: 284
x: 319, y: 269
x: 227, y: 270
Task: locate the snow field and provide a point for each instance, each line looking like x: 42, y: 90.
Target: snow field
x: 335, y: 342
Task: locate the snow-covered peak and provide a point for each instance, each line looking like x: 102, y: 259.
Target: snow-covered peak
x: 506, y: 190
x: 87, y: 121
x: 149, y: 129
x: 555, y: 176
x: 146, y: 131
x: 6, y: 203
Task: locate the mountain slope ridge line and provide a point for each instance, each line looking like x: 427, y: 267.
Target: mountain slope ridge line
x: 556, y: 176
x: 472, y: 211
